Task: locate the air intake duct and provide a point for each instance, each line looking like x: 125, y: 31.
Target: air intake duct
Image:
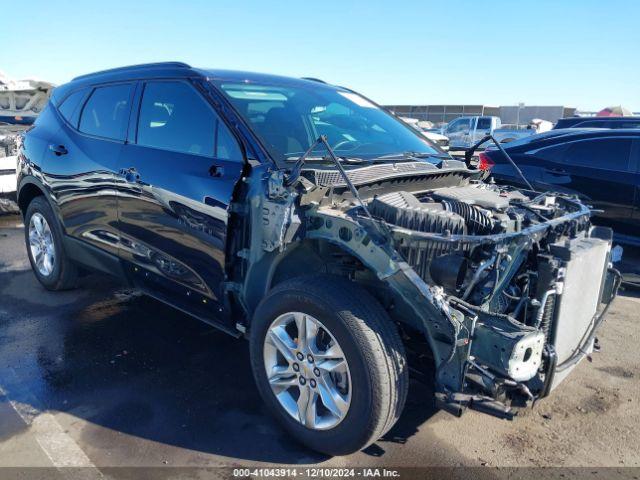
x: 403, y: 209
x: 477, y: 222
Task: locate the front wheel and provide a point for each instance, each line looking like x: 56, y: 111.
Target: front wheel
x: 329, y: 363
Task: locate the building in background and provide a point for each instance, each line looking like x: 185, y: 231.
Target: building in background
x: 439, y: 114
x: 509, y: 114
x: 523, y: 115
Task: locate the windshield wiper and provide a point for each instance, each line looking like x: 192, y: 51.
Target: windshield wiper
x: 294, y: 175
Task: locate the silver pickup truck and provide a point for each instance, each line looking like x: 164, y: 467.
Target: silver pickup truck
x: 464, y: 132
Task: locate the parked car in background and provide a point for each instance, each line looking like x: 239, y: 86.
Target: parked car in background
x: 600, y: 166
x: 598, y: 122
x: 441, y: 140
x: 464, y: 132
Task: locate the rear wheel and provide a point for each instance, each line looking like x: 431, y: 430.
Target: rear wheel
x: 329, y: 363
x: 43, y: 237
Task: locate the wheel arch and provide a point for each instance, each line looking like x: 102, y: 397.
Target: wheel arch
x: 29, y: 189
x: 305, y: 257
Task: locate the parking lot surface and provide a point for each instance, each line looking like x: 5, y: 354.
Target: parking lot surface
x: 101, y: 377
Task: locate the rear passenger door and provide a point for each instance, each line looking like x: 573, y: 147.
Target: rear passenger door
x: 599, y: 171
x: 180, y: 168
x: 81, y: 167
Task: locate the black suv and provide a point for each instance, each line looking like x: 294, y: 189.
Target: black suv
x: 339, y: 240
x: 598, y: 122
x: 600, y: 166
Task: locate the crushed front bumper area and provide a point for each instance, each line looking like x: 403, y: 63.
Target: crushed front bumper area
x: 510, y: 366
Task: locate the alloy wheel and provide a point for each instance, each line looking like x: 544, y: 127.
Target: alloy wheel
x: 307, y: 371
x: 41, y: 244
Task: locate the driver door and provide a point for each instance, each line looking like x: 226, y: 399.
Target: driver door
x: 179, y: 169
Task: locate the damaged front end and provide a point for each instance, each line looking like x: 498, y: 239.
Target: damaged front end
x: 508, y: 287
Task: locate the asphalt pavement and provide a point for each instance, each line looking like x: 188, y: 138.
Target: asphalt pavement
x: 102, y: 377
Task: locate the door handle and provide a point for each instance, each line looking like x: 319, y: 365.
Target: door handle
x: 58, y: 150
x: 130, y: 174
x: 216, y: 171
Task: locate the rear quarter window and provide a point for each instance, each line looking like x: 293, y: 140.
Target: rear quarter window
x: 70, y: 107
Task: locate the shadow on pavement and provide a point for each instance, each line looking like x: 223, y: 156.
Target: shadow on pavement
x: 137, y: 367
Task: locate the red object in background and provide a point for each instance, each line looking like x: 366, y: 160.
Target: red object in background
x: 485, y: 162
x: 606, y: 113
x: 617, y: 111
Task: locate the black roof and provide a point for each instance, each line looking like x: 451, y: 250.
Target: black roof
x: 134, y: 69
x: 568, y: 135
x: 178, y: 70
x: 566, y: 122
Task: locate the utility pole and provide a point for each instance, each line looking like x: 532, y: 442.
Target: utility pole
x: 520, y: 105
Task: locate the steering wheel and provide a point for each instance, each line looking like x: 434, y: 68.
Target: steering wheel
x: 355, y: 143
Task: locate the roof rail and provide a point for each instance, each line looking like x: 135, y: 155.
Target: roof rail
x: 135, y: 67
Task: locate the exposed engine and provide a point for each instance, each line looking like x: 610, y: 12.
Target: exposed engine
x: 500, y: 254
x: 452, y: 234
x: 476, y: 209
x: 493, y: 262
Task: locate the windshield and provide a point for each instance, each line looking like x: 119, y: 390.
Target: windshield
x: 288, y: 119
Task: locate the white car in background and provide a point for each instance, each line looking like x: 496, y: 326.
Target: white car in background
x: 440, y: 140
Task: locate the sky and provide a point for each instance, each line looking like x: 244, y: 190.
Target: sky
x: 578, y: 53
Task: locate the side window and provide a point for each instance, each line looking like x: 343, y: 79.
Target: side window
x: 70, y: 107
x: 106, y: 113
x: 604, y: 153
x: 174, y: 116
x: 484, y: 123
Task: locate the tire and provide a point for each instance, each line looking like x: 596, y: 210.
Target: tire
x: 59, y: 273
x: 376, y: 363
